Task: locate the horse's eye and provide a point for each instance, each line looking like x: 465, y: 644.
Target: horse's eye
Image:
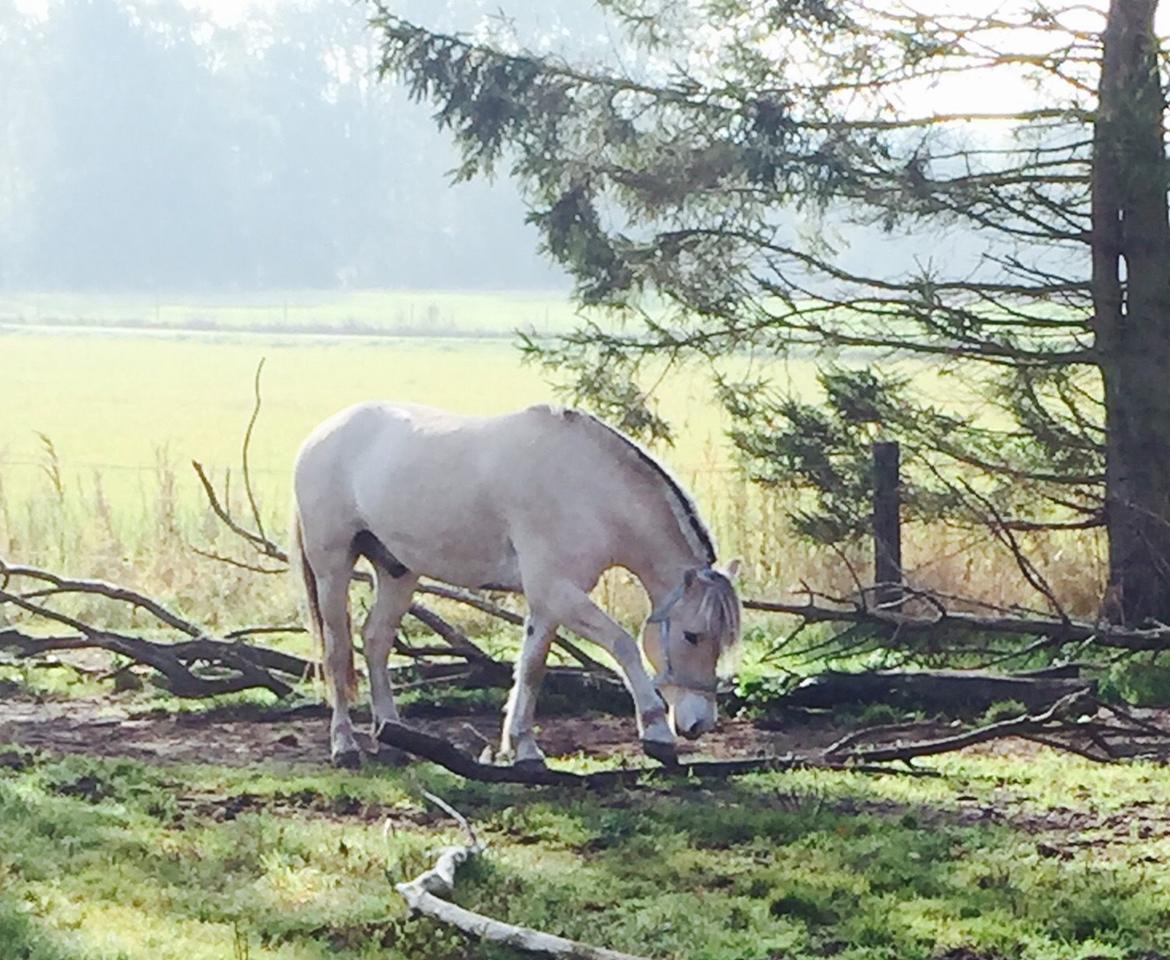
x: 691, y: 638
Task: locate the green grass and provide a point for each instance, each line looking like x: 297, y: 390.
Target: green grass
x: 107, y: 858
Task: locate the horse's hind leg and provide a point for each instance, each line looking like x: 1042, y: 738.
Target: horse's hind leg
x: 333, y: 594
x: 391, y: 601
x: 519, y: 740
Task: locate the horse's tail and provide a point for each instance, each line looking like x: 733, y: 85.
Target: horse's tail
x: 299, y: 561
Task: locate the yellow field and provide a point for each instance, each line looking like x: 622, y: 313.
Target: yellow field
x: 126, y: 412
x: 113, y: 403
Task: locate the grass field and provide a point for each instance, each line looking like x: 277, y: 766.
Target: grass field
x: 1032, y: 855
x: 1029, y: 859
x: 102, y: 425
x: 101, y: 422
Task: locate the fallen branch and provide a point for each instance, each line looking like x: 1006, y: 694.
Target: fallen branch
x: 426, y: 894
x: 952, y: 691
x: 1063, y: 726
x: 449, y: 756
x: 1059, y: 631
x: 112, y: 591
x: 174, y: 662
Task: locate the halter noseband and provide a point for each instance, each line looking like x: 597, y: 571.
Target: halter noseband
x: 666, y: 677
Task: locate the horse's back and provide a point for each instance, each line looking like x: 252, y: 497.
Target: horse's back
x: 449, y: 495
x: 398, y: 434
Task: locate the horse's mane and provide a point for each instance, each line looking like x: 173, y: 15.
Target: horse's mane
x: 722, y: 608
x: 720, y: 603
x: 682, y: 506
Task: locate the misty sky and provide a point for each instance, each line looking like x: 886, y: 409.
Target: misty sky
x: 165, y: 146
x: 240, y: 145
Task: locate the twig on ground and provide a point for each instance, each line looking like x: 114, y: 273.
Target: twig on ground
x: 425, y: 894
x: 1053, y: 719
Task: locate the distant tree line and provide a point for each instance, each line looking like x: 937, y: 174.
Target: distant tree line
x: 145, y: 146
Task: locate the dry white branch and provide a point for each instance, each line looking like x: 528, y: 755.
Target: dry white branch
x: 425, y: 894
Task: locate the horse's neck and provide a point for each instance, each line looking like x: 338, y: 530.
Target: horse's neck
x: 654, y: 539
x: 660, y: 561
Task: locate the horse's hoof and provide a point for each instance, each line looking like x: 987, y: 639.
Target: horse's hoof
x: 664, y: 753
x: 348, y: 760
x: 531, y: 765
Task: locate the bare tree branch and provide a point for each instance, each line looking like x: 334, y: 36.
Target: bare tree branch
x: 244, y: 451
x: 426, y: 894
x: 1063, y: 631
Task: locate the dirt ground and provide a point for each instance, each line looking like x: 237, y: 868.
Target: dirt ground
x: 106, y: 727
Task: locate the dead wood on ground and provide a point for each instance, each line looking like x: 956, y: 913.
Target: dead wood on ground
x: 948, y: 691
x: 426, y: 894
x: 1078, y: 722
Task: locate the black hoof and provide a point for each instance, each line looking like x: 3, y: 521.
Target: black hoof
x: 348, y: 760
x: 664, y: 753
x: 531, y: 765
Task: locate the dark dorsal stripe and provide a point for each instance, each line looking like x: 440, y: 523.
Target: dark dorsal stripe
x: 690, y: 511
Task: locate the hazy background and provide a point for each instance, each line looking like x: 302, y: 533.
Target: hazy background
x: 234, y: 146
x: 189, y: 187
x: 230, y: 146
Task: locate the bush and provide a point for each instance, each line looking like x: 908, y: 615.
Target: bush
x: 1143, y: 683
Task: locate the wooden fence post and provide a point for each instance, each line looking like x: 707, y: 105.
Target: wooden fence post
x: 887, y: 525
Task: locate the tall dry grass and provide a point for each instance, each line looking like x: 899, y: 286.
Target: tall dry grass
x: 67, y: 523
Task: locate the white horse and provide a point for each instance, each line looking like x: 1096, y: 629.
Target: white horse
x: 542, y: 502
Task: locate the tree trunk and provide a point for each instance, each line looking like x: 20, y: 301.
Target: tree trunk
x: 1131, y: 324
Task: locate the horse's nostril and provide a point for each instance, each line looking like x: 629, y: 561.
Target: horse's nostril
x: 693, y: 731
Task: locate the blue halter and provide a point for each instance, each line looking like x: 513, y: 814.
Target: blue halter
x: 661, y: 616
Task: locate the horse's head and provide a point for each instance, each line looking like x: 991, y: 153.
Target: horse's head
x: 696, y: 625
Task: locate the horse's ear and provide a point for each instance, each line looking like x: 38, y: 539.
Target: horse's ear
x: 733, y: 569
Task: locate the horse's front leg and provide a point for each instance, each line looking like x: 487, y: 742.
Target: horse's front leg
x: 518, y: 739
x: 578, y: 613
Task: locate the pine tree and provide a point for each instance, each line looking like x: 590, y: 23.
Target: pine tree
x: 671, y: 185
